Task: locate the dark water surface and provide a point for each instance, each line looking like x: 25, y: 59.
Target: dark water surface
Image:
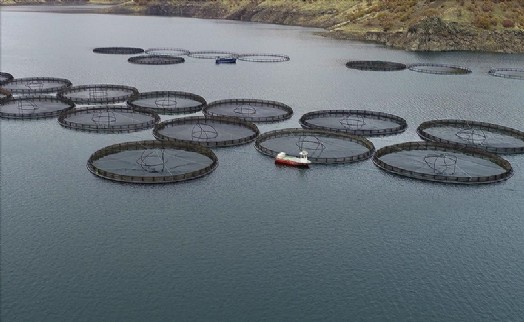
x: 252, y: 241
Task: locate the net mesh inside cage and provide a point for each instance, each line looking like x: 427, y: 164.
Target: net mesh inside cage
x: 168, y: 102
x: 442, y: 163
x: 513, y: 73
x: 439, y: 69
x: 108, y: 119
x: 36, y: 85
x: 375, y: 65
x: 118, y: 50
x: 152, y: 162
x: 486, y: 136
x: 33, y: 107
x: 207, y: 131
x: 98, y: 93
x: 321, y: 146
x: 151, y: 59
x: 356, y: 122
x: 252, y: 110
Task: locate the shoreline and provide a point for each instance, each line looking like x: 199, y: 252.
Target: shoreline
x: 431, y: 34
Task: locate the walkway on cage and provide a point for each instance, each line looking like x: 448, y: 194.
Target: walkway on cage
x: 355, y: 122
x: 322, y: 146
x: 108, y: 119
x: 36, y: 85
x: 252, y: 110
x: 210, y: 131
x: 33, y: 107
x: 98, y: 93
x: 168, y: 102
x: 444, y: 163
x: 486, y: 136
x: 152, y: 162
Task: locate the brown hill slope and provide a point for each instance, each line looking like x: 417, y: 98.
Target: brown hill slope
x: 429, y: 25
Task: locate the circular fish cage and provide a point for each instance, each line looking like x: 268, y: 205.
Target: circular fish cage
x: 375, y: 65
x: 322, y: 146
x: 210, y: 131
x: 486, y: 136
x: 36, y: 85
x: 439, y: 69
x: 167, y: 51
x: 108, y: 119
x: 5, y: 77
x: 252, y: 110
x: 168, y: 102
x: 211, y: 54
x: 118, y: 50
x: 263, y: 58
x: 150, y: 59
x: 513, y: 73
x: 152, y: 162
x: 444, y: 163
x: 5, y: 94
x: 100, y: 93
x: 355, y: 122
x: 33, y: 107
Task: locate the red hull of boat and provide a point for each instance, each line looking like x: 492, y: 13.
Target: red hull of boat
x: 291, y: 163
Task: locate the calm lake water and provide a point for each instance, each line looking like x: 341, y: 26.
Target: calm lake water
x: 251, y: 241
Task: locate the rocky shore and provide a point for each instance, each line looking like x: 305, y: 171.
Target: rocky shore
x: 433, y: 34
x: 429, y: 33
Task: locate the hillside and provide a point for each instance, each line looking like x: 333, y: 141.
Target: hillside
x: 427, y: 25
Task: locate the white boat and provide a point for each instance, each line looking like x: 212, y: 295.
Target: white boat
x: 301, y: 161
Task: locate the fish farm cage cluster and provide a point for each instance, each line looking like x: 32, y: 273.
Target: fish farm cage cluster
x: 451, y: 151
x: 166, y: 55
x: 431, y: 68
